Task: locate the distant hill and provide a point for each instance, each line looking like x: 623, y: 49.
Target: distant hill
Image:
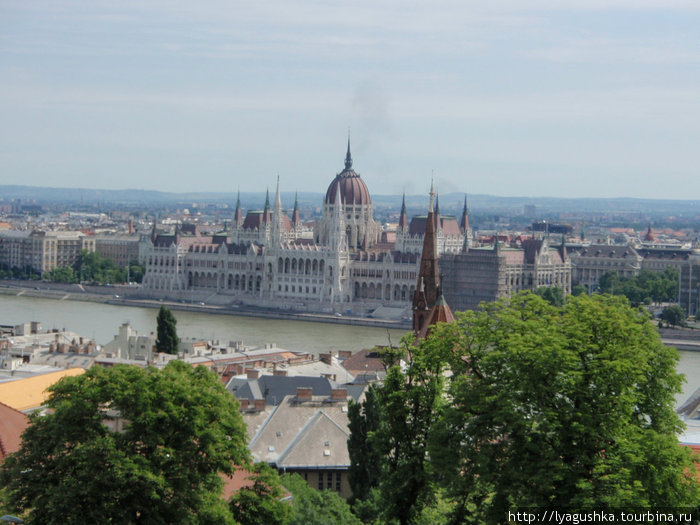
x: 449, y: 203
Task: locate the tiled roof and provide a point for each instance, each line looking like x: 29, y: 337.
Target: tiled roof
x: 31, y: 392
x: 288, y: 421
x: 321, y: 443
x: 12, y: 424
x: 364, y: 361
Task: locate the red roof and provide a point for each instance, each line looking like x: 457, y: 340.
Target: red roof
x: 353, y: 190
x: 12, y: 424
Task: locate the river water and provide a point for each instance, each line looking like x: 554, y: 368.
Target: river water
x: 101, y: 322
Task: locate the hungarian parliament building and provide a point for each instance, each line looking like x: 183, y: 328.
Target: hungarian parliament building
x: 269, y: 259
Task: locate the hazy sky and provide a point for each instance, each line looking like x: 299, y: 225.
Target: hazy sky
x: 559, y: 98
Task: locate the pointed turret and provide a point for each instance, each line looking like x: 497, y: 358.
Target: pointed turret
x: 649, y: 236
x: 295, y: 214
x: 403, y: 219
x: 238, y: 215
x: 338, y: 234
x: 426, y: 294
x: 464, y: 223
x: 278, y: 224
x: 438, y: 221
x: 348, y: 157
x: 266, y: 211
x: 440, y: 313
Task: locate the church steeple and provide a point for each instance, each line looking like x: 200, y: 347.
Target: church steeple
x: 295, y: 213
x: 427, y: 287
x: 266, y: 211
x: 403, y: 219
x: 464, y: 223
x: 438, y: 222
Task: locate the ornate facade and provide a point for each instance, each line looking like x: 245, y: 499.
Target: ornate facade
x: 266, y: 260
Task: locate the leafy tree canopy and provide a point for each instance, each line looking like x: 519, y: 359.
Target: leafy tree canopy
x: 177, y: 428
x: 554, y: 295
x: 261, y: 502
x: 643, y: 288
x: 316, y: 507
x: 673, y: 315
x: 545, y: 406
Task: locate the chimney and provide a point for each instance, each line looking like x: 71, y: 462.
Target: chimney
x: 339, y: 394
x: 259, y: 405
x: 304, y: 393
x: 280, y: 372
x: 251, y: 373
x: 326, y: 358
x: 344, y: 354
x: 244, y: 404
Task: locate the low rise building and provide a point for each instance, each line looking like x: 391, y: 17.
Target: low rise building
x: 306, y: 435
x: 42, y: 251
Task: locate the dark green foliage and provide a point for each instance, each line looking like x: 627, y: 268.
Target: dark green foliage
x: 13, y: 272
x: 579, y: 289
x: 673, y: 315
x: 181, y: 428
x: 167, y: 340
x: 552, y: 294
x: 316, y: 507
x: 557, y: 407
x: 643, y: 288
x: 408, y: 404
x: 260, y: 503
x: 91, y: 267
x: 364, y: 419
x: 136, y: 272
x: 62, y: 274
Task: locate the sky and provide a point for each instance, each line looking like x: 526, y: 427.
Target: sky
x: 576, y: 98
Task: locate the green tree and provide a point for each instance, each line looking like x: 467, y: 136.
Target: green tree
x: 316, y: 507
x: 167, y: 340
x: 673, y: 315
x: 62, y: 274
x: 261, y: 502
x: 579, y: 289
x: 92, y: 267
x: 364, y: 420
x: 559, y: 407
x: 554, y: 295
x: 408, y: 404
x: 179, y: 429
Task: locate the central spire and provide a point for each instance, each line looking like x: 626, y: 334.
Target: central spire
x: 348, y: 157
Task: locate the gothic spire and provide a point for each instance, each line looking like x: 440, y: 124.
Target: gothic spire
x: 238, y: 215
x: 348, y: 156
x: 403, y: 219
x: 464, y: 223
x: 266, y: 211
x: 438, y: 222
x: 426, y: 294
x: 295, y: 213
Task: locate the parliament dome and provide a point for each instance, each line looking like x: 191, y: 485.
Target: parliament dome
x: 353, y: 190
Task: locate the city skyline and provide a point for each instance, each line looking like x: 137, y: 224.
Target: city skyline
x: 510, y: 98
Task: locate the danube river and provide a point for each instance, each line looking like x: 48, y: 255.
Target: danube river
x: 101, y: 322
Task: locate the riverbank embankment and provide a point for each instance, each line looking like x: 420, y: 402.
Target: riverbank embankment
x: 119, y: 296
